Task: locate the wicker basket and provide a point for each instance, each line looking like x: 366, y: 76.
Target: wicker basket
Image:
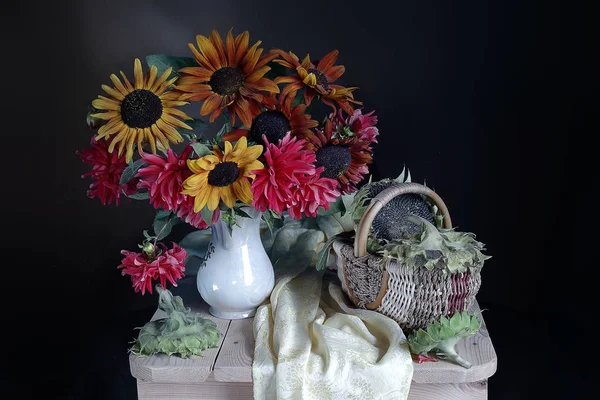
x: 412, y: 297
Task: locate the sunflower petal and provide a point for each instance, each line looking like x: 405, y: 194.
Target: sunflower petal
x: 200, y: 200
x: 174, y: 121
x: 334, y: 73
x: 130, y: 141
x: 228, y: 195
x: 106, y: 115
x: 126, y: 82
x: 210, y: 104
x: 118, y: 85
x: 160, y: 136
x: 208, y: 50
x: 138, y: 74
x: 151, y: 77
x: 214, y: 198
x: 102, y: 104
x: 200, y: 58
x: 122, y: 135
x: 241, y: 189
x: 215, y: 38
x: 327, y: 61
x: 230, y: 47
x: 169, y: 131
x: 257, y: 74
x: 241, y: 44
x: 114, y: 93
x: 151, y: 140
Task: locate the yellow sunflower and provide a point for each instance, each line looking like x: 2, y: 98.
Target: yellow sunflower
x: 223, y: 175
x: 230, y: 75
x: 140, y: 112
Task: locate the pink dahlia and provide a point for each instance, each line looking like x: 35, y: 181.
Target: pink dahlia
x: 187, y: 214
x: 163, y: 177
x: 152, y: 264
x: 107, y: 169
x: 288, y: 165
x: 362, y: 125
x: 308, y: 197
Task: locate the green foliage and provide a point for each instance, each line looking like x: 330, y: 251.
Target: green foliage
x: 201, y: 149
x: 163, y: 223
x: 140, y: 195
x: 182, y: 333
x: 164, y: 62
x: 446, y: 249
x: 130, y: 171
x: 197, y: 125
x: 441, y: 337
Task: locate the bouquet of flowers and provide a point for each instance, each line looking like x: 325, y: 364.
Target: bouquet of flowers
x: 271, y: 153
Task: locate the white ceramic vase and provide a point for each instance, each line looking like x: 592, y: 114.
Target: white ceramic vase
x: 236, y: 275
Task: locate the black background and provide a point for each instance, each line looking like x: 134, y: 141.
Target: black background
x: 482, y: 100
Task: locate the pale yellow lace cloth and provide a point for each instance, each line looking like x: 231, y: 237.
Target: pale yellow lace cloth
x: 310, y: 344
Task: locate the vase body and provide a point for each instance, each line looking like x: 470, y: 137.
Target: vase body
x: 236, y: 275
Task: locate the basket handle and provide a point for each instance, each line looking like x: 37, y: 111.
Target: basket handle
x: 379, y: 201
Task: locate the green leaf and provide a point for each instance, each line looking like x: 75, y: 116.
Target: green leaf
x: 130, y: 171
x: 163, y: 62
x: 404, y: 176
x: 163, y: 223
x: 197, y: 125
x: 140, y: 196
x: 334, y: 207
x: 207, y: 215
x: 456, y: 322
x: 324, y: 253
x: 240, y: 212
x: 226, y: 128
x: 201, y: 149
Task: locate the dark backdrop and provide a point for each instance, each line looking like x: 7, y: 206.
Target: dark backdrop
x: 479, y: 99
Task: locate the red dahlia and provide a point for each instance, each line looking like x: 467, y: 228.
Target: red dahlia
x: 106, y: 171
x: 158, y: 263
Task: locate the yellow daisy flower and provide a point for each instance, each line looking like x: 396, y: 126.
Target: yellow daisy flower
x: 141, y: 112
x: 223, y: 175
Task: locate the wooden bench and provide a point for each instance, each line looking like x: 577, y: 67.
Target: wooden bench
x: 225, y: 372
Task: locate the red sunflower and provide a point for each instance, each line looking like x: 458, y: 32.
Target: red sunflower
x: 275, y: 121
x: 230, y: 75
x: 316, y: 80
x: 344, y: 154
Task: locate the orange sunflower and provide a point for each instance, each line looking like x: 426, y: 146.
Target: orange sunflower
x: 275, y: 121
x: 230, y: 75
x: 344, y: 156
x: 223, y: 175
x: 316, y: 80
x: 140, y: 112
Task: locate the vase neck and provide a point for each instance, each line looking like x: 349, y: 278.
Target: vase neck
x: 244, y: 231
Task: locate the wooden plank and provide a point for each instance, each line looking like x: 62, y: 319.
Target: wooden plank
x: 448, y: 391
x: 234, y: 363
x: 209, y: 390
x: 212, y: 390
x: 163, y: 368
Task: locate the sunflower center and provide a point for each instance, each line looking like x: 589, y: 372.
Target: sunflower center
x: 273, y: 124
x: 227, y: 80
x: 336, y: 160
x: 321, y: 78
x: 141, y: 109
x: 224, y: 174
